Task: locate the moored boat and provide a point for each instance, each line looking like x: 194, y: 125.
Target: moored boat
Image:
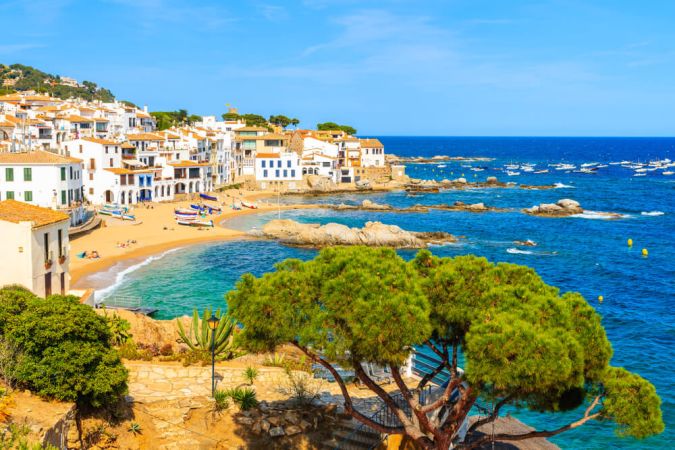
x: 209, y: 197
x: 249, y: 205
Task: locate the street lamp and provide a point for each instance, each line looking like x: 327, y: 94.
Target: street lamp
x: 213, y: 325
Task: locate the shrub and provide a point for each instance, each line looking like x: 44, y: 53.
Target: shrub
x: 166, y: 350
x: 221, y: 399
x: 275, y: 360
x: 250, y: 374
x: 135, y: 428
x: 198, y: 337
x: 65, y: 348
x: 130, y: 350
x: 301, y: 387
x: 119, y: 329
x: 244, y: 398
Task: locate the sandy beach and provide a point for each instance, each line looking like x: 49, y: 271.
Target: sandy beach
x: 157, y: 231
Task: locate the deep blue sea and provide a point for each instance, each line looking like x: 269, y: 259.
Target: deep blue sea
x: 585, y: 254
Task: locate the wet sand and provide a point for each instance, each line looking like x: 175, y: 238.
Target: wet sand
x: 156, y: 232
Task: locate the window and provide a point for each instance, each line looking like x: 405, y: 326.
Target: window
x: 46, y: 246
x: 10, y: 195
x: 288, y: 163
x: 28, y: 196
x: 27, y: 174
x: 63, y: 197
x: 91, y: 191
x: 106, y: 149
x: 61, y: 249
x: 292, y: 173
x: 265, y: 173
x: 71, y: 171
x: 111, y: 162
x: 285, y: 173
x: 277, y: 173
x: 262, y: 163
x: 91, y: 176
x: 92, y: 166
x: 63, y: 174
x: 9, y: 174
x: 279, y: 163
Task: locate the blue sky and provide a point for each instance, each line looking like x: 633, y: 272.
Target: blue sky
x: 395, y: 67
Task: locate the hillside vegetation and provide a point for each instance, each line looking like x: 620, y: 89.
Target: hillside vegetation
x: 26, y: 78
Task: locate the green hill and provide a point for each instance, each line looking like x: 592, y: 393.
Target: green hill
x: 26, y: 78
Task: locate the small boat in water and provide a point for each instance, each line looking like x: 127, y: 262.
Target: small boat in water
x: 512, y: 174
x: 541, y: 171
x: 670, y: 172
x: 441, y: 166
x: 249, y: 205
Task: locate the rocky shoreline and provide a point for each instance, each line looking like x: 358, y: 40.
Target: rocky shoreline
x: 368, y: 205
x: 565, y: 208
x: 315, y: 235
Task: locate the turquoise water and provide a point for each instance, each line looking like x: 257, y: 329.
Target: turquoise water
x: 585, y: 254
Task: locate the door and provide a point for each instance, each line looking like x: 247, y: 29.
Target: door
x: 63, y: 283
x: 48, y: 284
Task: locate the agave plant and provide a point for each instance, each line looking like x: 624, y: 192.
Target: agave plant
x: 198, y: 336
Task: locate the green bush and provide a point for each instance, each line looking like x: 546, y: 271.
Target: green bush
x: 244, y: 398
x: 250, y: 374
x: 65, y: 348
x: 221, y: 399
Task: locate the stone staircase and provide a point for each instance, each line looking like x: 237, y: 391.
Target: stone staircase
x: 350, y: 434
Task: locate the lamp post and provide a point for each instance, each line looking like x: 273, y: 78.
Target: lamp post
x: 213, y: 325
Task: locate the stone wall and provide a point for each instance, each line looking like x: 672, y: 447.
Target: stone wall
x: 168, y: 381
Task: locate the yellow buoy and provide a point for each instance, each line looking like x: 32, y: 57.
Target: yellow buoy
x: 645, y: 253
x: 630, y: 242
x: 600, y: 298
x: 462, y: 174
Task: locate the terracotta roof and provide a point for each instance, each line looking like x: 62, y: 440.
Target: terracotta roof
x: 143, y: 114
x: 264, y: 137
x: 187, y: 164
x: 251, y: 129
x: 123, y: 171
x: 144, y: 137
x: 100, y: 141
x: 36, y: 157
x: 15, y: 212
x: 78, y: 119
x: 371, y: 143
x: 6, y: 124
x: 127, y: 145
x: 100, y: 119
x: 267, y: 155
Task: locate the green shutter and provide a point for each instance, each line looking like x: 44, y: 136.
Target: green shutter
x: 28, y: 196
x: 10, y: 195
x: 9, y: 174
x: 63, y: 174
x: 27, y: 174
x: 63, y: 195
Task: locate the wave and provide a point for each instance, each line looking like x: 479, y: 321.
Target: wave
x: 652, y: 213
x: 599, y: 215
x: 518, y: 251
x: 104, y: 293
x: 562, y: 186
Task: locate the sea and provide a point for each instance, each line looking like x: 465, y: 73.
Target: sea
x: 586, y: 253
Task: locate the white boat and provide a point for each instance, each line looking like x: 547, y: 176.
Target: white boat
x: 512, y: 166
x: 639, y: 174
x: 670, y: 172
x: 441, y: 166
x: 641, y: 170
x: 512, y: 173
x: 566, y: 167
x: 541, y: 171
x: 246, y: 204
x: 477, y: 169
x: 589, y: 164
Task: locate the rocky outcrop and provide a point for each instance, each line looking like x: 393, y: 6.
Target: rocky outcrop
x: 368, y: 205
x: 372, y: 234
x: 562, y: 208
x: 470, y: 207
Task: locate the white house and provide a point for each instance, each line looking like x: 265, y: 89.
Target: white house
x: 35, y: 248
x: 278, y: 170
x: 313, y: 145
x: 316, y: 163
x: 97, y: 155
x: 43, y: 179
x: 372, y: 153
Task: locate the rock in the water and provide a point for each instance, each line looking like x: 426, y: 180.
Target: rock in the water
x: 367, y: 204
x: 562, y: 208
x: 491, y: 180
x: 372, y: 234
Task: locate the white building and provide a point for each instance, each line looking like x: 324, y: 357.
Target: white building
x: 372, y: 153
x: 35, y: 248
x: 97, y: 155
x: 278, y: 170
x: 43, y: 179
x: 315, y: 163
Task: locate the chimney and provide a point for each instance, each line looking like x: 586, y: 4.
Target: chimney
x: 145, y: 108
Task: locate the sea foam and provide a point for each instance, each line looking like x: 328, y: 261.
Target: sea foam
x: 652, y: 213
x: 102, y: 294
x: 562, y: 186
